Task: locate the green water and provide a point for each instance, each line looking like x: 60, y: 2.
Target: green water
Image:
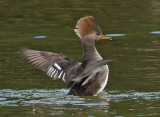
x: 134, y: 82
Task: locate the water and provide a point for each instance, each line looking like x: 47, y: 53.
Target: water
x: 155, y: 32
x: 134, y: 80
x: 115, y: 35
x: 57, y: 102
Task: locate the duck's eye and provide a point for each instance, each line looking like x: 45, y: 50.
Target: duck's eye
x: 98, y: 33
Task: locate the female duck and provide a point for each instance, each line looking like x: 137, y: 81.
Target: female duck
x: 87, y: 78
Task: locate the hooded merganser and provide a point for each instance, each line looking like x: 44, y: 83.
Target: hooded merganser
x: 87, y: 78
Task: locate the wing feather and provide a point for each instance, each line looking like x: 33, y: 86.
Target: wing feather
x: 55, y: 65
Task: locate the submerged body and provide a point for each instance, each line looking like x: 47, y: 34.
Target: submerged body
x: 87, y: 78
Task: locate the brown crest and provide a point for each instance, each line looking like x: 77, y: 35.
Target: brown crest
x: 86, y: 25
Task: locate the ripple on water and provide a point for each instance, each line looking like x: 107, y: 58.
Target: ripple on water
x: 134, y: 95
x: 10, y: 97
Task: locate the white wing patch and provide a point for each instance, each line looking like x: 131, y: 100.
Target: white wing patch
x: 63, y: 78
x: 57, y: 66
x: 50, y: 71
x: 60, y: 74
x: 55, y: 71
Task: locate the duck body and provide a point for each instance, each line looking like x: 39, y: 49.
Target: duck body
x: 98, y: 77
x: 94, y: 86
x: 87, y: 78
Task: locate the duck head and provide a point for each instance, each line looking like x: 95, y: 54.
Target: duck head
x: 87, y: 28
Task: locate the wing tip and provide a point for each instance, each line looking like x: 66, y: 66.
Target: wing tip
x: 33, y: 57
x: 22, y: 53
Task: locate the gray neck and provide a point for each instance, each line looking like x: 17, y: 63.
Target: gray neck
x: 89, y: 50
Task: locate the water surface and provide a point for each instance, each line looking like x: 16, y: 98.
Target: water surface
x: 134, y: 79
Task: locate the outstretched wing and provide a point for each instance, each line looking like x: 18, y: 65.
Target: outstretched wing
x: 55, y: 65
